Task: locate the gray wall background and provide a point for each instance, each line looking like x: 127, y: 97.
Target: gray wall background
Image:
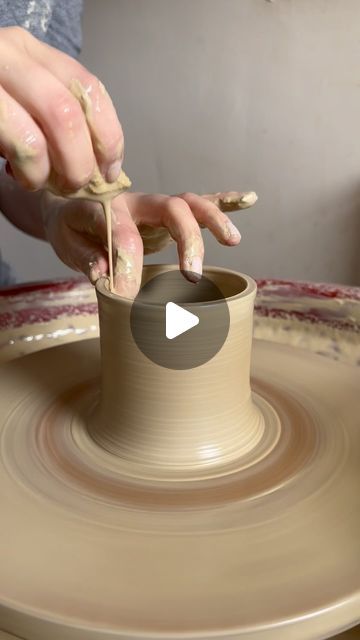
x: 237, y: 94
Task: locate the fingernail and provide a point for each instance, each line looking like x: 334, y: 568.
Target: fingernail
x: 232, y: 232
x: 194, y: 270
x: 113, y: 171
x: 196, y: 265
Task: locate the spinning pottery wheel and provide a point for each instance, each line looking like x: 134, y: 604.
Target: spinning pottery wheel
x: 178, y: 504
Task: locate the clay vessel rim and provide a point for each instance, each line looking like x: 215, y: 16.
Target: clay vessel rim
x: 102, y: 287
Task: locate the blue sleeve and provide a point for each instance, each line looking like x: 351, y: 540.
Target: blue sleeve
x: 65, y: 26
x: 57, y: 22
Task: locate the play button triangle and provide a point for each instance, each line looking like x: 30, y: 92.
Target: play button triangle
x: 178, y: 320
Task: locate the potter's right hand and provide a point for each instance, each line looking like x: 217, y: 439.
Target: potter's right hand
x: 42, y: 125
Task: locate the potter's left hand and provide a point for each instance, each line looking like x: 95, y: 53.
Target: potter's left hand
x: 141, y: 224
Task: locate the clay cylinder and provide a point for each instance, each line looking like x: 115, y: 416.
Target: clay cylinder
x: 169, y: 421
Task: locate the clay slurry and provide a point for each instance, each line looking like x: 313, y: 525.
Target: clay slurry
x: 178, y: 324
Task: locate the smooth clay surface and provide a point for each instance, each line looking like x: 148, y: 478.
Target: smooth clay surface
x: 254, y: 538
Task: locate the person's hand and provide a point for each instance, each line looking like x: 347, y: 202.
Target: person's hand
x: 42, y: 124
x: 141, y: 224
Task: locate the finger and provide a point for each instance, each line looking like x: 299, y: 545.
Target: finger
x: 106, y: 132
x: 232, y: 200
x: 177, y: 217
x: 23, y: 144
x: 59, y: 116
x: 154, y: 238
x: 128, y: 253
x: 173, y: 214
x: 143, y: 207
x: 209, y: 215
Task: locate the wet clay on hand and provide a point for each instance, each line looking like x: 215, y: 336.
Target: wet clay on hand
x: 98, y: 189
x: 103, y: 192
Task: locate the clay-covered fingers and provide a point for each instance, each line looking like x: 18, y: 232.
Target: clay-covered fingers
x: 128, y: 251
x: 105, y: 128
x: 174, y: 214
x: 51, y: 105
x: 208, y: 215
x: 66, y: 104
x: 232, y: 200
x: 22, y: 143
x: 77, y: 231
x: 60, y: 117
x: 181, y: 218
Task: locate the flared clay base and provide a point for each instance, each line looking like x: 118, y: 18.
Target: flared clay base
x: 268, y: 547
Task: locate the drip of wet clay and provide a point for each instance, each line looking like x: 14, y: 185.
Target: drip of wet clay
x: 97, y: 189
x: 103, y: 192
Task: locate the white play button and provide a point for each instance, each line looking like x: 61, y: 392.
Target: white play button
x: 167, y: 307
x: 178, y: 320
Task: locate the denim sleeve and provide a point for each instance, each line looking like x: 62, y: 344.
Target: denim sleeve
x: 57, y: 22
